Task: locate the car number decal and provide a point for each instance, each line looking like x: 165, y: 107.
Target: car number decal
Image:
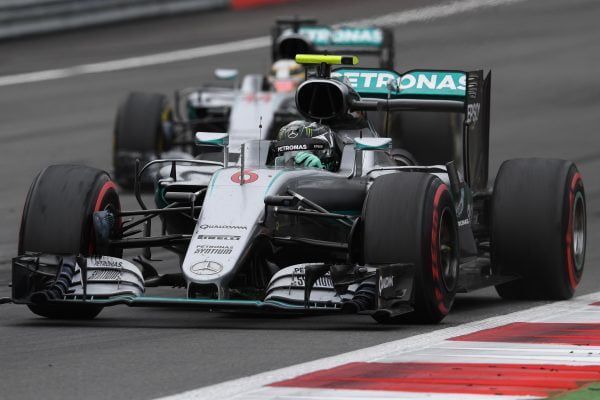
x: 249, y: 176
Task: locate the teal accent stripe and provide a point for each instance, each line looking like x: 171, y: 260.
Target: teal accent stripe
x: 216, y: 142
x: 359, y: 146
x: 273, y: 180
x: 230, y: 304
x: 199, y: 301
x: 213, y: 180
x: 347, y: 212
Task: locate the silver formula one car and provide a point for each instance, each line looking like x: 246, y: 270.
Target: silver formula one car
x: 149, y: 127
x: 368, y: 233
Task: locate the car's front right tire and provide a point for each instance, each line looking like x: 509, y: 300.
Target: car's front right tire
x: 57, y: 219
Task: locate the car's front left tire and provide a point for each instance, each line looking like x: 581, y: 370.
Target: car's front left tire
x: 410, y: 218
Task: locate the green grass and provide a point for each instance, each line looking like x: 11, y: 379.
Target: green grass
x: 587, y: 392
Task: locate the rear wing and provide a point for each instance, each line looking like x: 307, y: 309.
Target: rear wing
x: 418, y: 84
x: 303, y: 36
x: 464, y: 92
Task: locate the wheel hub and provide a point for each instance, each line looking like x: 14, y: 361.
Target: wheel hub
x: 578, y: 231
x: 448, y: 261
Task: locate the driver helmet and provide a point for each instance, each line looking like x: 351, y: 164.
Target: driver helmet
x: 305, y: 137
x: 286, y: 75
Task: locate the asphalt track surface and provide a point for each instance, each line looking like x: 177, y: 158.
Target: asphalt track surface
x: 545, y: 57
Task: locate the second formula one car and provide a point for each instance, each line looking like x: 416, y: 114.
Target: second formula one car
x: 321, y: 220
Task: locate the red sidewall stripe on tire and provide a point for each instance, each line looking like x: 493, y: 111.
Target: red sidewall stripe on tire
x: 573, y: 280
x: 435, y: 268
x: 108, y: 185
x: 105, y: 188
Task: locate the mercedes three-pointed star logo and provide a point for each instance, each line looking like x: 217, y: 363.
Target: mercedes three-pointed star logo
x: 206, y: 268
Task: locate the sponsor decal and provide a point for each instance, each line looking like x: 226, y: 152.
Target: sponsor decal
x: 292, y: 147
x: 218, y: 237
x: 299, y: 279
x: 322, y: 282
x: 412, y: 83
x: 206, y: 268
x: 105, y: 275
x: 473, y: 87
x: 321, y: 36
x: 473, y: 112
x: 463, y: 222
x: 213, y: 249
x: 296, y: 147
x: 207, y: 226
x: 249, y: 176
x: 103, y: 262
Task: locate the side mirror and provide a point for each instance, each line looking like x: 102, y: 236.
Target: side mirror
x: 226, y: 74
x: 372, y: 143
x: 215, y: 139
x: 368, y: 144
x: 212, y: 139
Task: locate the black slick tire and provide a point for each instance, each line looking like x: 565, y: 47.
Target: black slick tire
x: 538, y: 228
x: 142, y: 130
x: 57, y: 219
x: 410, y: 218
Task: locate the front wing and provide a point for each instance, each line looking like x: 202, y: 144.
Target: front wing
x: 56, y: 280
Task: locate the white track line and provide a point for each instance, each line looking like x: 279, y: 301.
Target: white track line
x: 251, y: 386
x: 431, y: 13
x: 337, y: 394
x: 137, y: 62
x: 393, y: 19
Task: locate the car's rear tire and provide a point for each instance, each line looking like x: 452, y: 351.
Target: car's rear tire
x: 143, y: 130
x: 57, y: 219
x: 410, y: 218
x: 538, y: 228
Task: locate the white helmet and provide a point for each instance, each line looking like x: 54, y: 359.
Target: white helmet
x: 286, y: 75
